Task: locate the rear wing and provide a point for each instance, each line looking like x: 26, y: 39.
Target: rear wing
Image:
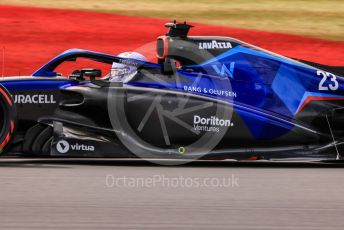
x: 47, y: 70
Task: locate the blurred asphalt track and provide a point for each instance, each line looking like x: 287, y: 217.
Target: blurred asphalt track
x: 65, y: 194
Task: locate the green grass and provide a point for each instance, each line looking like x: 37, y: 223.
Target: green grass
x: 317, y: 18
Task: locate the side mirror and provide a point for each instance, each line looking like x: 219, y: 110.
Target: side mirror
x: 80, y: 75
x: 168, y: 66
x: 92, y: 73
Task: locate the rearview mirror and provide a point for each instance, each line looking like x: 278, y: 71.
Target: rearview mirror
x: 80, y: 75
x: 94, y: 73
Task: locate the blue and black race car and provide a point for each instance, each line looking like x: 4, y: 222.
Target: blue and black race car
x: 205, y: 98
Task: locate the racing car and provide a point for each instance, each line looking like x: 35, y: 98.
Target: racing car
x: 206, y: 97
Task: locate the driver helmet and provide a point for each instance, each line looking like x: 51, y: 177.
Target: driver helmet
x: 120, y: 72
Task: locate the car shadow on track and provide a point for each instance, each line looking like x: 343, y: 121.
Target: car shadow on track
x: 68, y: 162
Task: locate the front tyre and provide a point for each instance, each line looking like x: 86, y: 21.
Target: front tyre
x: 7, y: 119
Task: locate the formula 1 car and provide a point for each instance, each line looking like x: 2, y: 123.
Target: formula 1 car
x: 205, y: 98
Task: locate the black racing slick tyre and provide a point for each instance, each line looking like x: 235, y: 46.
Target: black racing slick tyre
x: 7, y: 119
x: 41, y: 140
x: 37, y: 140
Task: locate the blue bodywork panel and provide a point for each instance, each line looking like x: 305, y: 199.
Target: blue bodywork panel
x: 270, y: 85
x: 262, y: 87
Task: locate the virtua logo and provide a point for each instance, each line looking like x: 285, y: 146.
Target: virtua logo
x: 63, y: 147
x: 214, y: 45
x: 82, y: 147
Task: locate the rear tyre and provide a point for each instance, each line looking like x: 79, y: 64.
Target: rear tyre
x: 36, y: 140
x: 41, y: 139
x: 47, y: 146
x: 7, y: 119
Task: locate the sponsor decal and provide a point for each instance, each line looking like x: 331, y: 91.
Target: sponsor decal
x: 129, y: 62
x: 214, y: 45
x: 211, y: 91
x: 225, y: 71
x: 324, y: 84
x: 63, y: 147
x: 210, y: 124
x: 34, y: 99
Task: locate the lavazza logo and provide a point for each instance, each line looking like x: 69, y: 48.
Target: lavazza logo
x: 63, y: 147
x: 214, y: 45
x: 210, y: 124
x: 34, y: 99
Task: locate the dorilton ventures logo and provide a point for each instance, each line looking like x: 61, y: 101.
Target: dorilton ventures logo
x: 210, y: 124
x: 214, y: 45
x: 34, y: 99
x: 63, y: 147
